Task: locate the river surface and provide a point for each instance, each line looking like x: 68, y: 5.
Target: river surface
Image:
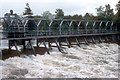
x: 87, y: 61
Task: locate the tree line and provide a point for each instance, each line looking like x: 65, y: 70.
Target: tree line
x: 103, y: 13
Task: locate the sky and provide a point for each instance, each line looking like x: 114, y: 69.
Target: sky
x: 70, y: 7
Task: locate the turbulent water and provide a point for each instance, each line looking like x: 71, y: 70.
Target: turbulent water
x: 87, y: 61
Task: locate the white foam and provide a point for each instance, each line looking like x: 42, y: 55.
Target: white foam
x: 95, y: 60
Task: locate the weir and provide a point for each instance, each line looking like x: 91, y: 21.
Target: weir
x: 62, y: 32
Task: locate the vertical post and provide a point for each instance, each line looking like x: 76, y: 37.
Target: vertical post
x: 45, y: 46
x: 37, y: 43
x: 32, y: 48
x: 70, y: 24
x: 86, y: 26
x: 15, y: 43
x: 111, y: 26
x: 50, y: 27
x: 23, y: 43
x: 79, y: 26
x: 25, y: 27
x: 106, y: 26
x: 94, y: 26
x: 100, y: 25
x: 49, y: 45
x: 9, y: 44
x: 38, y: 27
x: 60, y: 26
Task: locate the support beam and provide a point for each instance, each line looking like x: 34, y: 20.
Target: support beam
x: 32, y: 48
x: 60, y: 27
x: 9, y: 47
x: 68, y: 43
x: 93, y: 40
x: 59, y: 48
x: 37, y: 43
x: 23, y: 43
x: 77, y: 41
x: 49, y: 45
x: 100, y: 40
x: 60, y: 44
x: 106, y: 39
x: 86, y: 41
x: 45, y: 46
x: 78, y: 26
x: 15, y: 44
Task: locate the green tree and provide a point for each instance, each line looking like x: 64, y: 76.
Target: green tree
x: 59, y: 13
x: 108, y: 12
x: 118, y: 9
x: 88, y: 16
x: 68, y: 17
x: 47, y: 15
x: 76, y: 16
x: 105, y: 13
x: 100, y: 11
x: 117, y: 16
x: 28, y: 10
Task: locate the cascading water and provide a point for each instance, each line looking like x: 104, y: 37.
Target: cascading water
x: 91, y: 61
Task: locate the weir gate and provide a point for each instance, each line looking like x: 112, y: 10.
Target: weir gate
x: 62, y: 32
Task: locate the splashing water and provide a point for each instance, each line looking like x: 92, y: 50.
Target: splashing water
x: 91, y: 61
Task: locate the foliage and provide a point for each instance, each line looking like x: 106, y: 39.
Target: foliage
x: 59, y: 13
x: 47, y: 15
x: 88, y: 16
x: 28, y: 10
x: 117, y: 16
x: 105, y: 13
x: 118, y: 9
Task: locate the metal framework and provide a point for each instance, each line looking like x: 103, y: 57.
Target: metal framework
x: 20, y: 31
x: 34, y: 27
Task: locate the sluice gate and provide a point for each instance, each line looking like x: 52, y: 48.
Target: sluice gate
x: 61, y: 32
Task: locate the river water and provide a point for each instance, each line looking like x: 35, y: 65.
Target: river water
x: 87, y: 61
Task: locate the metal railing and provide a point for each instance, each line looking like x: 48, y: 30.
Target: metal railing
x: 31, y: 27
